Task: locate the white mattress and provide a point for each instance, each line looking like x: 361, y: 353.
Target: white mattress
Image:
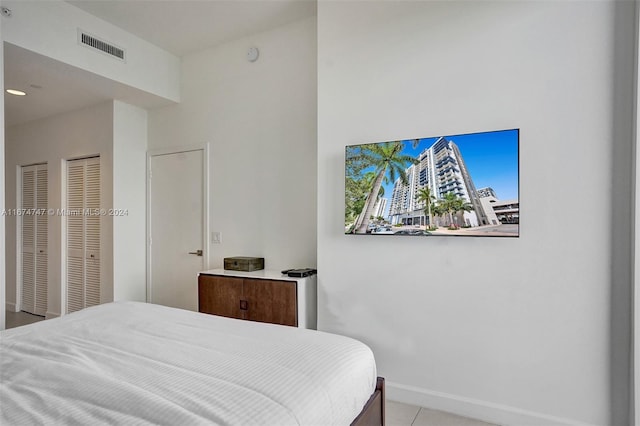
x: 137, y: 363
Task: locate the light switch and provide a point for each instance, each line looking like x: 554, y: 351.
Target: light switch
x: 216, y: 237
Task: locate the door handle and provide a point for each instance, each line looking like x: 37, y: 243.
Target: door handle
x: 197, y: 252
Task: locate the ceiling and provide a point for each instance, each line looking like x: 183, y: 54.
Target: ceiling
x: 54, y: 87
x: 178, y: 26
x: 186, y: 26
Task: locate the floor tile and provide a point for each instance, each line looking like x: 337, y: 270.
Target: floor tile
x: 399, y: 414
x: 427, y: 417
x: 16, y: 319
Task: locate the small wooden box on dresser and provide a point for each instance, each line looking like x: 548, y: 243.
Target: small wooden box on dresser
x: 264, y: 296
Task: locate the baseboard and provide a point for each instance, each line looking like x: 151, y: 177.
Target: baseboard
x: 477, y: 409
x: 10, y: 307
x: 50, y: 315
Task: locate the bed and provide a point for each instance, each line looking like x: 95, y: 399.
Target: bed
x: 138, y: 363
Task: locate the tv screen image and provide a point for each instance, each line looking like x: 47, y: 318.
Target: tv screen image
x: 458, y: 185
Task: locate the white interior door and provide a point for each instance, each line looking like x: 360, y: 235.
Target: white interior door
x: 82, y: 234
x: 34, y: 237
x: 176, y: 227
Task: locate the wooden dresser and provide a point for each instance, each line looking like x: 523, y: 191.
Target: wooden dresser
x: 265, y: 296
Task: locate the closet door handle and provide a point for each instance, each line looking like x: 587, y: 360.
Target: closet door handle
x: 197, y: 252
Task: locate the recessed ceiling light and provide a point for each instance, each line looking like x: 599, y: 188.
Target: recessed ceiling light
x: 16, y: 92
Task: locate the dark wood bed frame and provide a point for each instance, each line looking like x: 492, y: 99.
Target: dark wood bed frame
x: 373, y: 411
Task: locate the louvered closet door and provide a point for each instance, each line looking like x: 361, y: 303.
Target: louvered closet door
x: 83, y: 233
x: 34, y: 238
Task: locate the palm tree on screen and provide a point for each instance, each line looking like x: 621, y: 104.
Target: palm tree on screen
x: 367, y: 183
x: 437, y: 211
x: 383, y: 157
x: 424, y: 195
x: 464, y: 206
x: 449, y: 204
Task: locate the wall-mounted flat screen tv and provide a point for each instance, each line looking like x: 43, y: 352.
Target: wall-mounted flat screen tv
x: 459, y: 185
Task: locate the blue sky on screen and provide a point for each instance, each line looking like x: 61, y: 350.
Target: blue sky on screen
x: 491, y: 158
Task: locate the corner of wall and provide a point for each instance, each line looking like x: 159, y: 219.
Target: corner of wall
x: 634, y: 413
x: 3, y: 279
x: 129, y: 202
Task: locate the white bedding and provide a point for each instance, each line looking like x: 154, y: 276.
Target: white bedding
x: 136, y: 363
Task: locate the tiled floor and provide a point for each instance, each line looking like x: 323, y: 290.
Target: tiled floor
x: 399, y: 414
x: 16, y: 319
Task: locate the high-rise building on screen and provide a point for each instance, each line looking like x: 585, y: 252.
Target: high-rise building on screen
x: 442, y: 170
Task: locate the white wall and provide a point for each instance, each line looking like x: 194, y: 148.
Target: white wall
x: 118, y: 133
x: 635, y: 406
x: 2, y: 219
x: 50, y: 29
x: 82, y: 133
x: 129, y: 202
x: 260, y: 119
x: 514, y: 331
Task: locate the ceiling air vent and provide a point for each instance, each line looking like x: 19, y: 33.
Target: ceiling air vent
x: 93, y: 42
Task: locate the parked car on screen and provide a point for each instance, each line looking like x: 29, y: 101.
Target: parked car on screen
x: 383, y: 230
x: 412, y: 232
